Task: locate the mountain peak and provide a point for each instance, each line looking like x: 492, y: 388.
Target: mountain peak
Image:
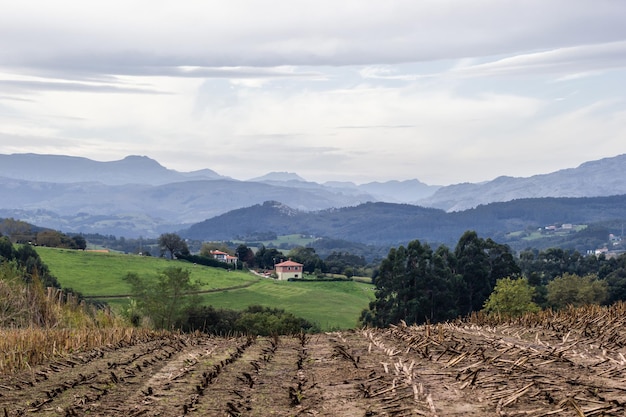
x: 140, y: 161
x: 133, y: 169
x: 279, y: 176
x: 137, y: 158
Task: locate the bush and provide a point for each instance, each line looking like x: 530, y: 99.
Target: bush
x: 209, y: 320
x: 255, y: 320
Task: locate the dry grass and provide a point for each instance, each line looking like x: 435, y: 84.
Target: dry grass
x: 25, y: 348
x: 605, y: 324
x: 40, y: 324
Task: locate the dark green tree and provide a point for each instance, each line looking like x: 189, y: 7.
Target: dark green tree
x: 32, y: 265
x: 384, y: 309
x: 307, y: 257
x: 7, y: 251
x: 473, y: 266
x: 614, y: 272
x: 266, y: 321
x: 79, y: 242
x: 481, y: 263
x: 447, y: 286
x: 245, y: 255
x: 266, y: 258
x: 337, y: 262
x: 416, y: 285
x: 172, y: 243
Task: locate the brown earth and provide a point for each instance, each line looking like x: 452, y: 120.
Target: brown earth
x: 447, y: 370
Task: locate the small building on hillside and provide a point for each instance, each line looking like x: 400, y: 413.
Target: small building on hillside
x: 224, y: 257
x: 288, y: 269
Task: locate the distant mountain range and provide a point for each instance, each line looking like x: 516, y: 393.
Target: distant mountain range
x: 136, y: 196
x: 71, y: 169
x: 388, y: 224
x: 603, y: 177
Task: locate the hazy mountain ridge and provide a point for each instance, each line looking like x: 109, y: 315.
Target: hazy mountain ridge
x: 81, y: 194
x: 71, y: 169
x: 408, y: 191
x: 178, y: 204
x: 603, y: 177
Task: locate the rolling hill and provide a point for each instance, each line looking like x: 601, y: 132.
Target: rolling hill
x: 391, y: 224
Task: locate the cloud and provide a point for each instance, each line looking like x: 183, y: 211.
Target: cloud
x: 32, y: 85
x: 574, y: 61
x: 146, y: 37
x: 565, y: 63
x: 440, y: 90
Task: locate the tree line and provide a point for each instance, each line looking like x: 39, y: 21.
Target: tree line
x: 420, y: 284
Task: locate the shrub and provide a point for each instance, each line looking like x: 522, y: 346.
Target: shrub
x: 255, y: 320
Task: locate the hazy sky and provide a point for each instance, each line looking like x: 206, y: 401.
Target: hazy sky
x: 444, y: 91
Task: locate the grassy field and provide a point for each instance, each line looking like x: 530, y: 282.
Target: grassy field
x: 101, y: 274
x: 333, y: 305
x: 541, y: 234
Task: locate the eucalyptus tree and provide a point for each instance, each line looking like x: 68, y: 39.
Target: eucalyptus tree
x: 414, y: 284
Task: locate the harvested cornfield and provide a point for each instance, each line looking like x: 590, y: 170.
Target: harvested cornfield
x: 553, y: 364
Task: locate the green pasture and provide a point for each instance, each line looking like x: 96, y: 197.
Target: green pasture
x: 332, y: 305
x: 101, y: 274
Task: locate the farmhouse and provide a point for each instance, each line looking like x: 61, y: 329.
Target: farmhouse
x: 288, y: 269
x: 224, y: 257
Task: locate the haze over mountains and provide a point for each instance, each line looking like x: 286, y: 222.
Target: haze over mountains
x: 70, y: 169
x: 138, y: 196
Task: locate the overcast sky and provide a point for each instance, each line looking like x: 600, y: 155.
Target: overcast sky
x: 445, y: 91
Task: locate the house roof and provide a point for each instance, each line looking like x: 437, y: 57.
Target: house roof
x: 218, y: 252
x: 289, y: 263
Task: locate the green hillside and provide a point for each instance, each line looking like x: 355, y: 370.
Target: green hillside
x: 101, y: 274
x: 332, y: 305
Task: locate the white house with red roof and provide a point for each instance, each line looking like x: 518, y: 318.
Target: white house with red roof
x: 224, y: 257
x: 288, y: 269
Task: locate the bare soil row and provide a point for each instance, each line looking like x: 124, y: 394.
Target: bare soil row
x: 447, y: 370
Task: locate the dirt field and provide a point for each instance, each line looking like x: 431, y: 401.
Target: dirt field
x: 449, y: 370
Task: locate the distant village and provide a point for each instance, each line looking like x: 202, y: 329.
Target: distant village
x: 613, y: 248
